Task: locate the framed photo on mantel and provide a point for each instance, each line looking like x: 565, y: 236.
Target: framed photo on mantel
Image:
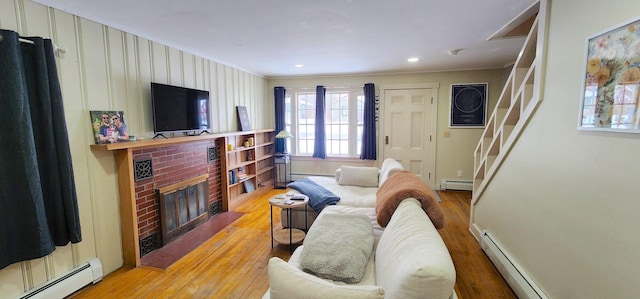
x: 468, y: 105
x: 109, y: 126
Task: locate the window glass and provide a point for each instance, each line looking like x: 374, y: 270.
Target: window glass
x: 343, y: 121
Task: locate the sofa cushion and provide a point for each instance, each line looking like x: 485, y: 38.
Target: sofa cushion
x: 338, y: 247
x: 411, y: 258
x: 287, y: 281
x: 389, y: 167
x: 358, y: 176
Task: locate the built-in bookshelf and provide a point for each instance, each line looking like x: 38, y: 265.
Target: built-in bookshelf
x: 249, y: 164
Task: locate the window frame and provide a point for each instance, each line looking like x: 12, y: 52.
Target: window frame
x: 354, y: 144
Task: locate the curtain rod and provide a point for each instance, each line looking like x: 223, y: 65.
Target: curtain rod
x: 61, y: 49
x: 24, y: 40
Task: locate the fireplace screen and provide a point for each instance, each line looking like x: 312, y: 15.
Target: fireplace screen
x: 183, y: 206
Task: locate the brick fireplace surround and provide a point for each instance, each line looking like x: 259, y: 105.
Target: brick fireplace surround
x: 166, y: 165
x: 172, y: 160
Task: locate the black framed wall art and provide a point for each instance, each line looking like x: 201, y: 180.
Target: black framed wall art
x: 468, y: 105
x: 243, y: 118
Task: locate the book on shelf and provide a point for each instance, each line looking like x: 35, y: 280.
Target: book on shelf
x: 248, y: 186
x: 232, y: 176
x: 240, y: 173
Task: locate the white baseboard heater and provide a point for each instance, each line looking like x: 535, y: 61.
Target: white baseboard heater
x: 456, y: 185
x: 518, y: 280
x: 91, y: 272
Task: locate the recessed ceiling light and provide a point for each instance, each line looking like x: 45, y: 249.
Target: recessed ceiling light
x: 413, y: 59
x: 299, y: 65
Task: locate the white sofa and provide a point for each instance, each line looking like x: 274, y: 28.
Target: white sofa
x: 409, y: 258
x: 356, y: 187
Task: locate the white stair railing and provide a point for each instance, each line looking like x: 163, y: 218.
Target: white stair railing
x: 516, y: 104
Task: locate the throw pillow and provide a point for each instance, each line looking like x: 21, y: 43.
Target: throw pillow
x: 389, y: 167
x: 338, y: 247
x: 358, y: 176
x: 287, y: 281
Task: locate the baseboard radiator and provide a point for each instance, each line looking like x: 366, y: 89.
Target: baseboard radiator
x: 518, y: 280
x: 66, y: 285
x: 456, y: 185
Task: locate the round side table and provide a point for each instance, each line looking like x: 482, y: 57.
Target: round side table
x: 287, y: 236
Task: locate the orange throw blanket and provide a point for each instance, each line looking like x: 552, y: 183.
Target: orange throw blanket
x: 402, y: 185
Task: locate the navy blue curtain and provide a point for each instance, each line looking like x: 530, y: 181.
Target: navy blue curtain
x: 38, y: 202
x: 368, y: 151
x: 319, y: 144
x: 278, y: 95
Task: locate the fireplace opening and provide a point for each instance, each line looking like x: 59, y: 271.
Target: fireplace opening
x: 183, y: 206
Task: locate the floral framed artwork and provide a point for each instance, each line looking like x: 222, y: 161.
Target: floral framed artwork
x: 609, y: 100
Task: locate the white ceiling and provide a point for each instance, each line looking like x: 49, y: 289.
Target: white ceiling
x: 329, y: 37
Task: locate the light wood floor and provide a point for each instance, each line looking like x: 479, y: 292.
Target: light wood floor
x: 233, y: 263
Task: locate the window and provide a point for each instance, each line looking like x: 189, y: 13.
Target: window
x: 344, y: 110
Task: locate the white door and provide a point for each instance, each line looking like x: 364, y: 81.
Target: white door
x: 408, y: 126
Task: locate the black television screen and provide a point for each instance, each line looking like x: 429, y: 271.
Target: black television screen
x: 179, y: 109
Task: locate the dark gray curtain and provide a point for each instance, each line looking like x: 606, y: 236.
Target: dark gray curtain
x: 319, y: 144
x: 38, y: 203
x: 278, y: 95
x: 368, y: 151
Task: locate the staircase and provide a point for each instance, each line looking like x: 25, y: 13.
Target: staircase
x: 516, y: 105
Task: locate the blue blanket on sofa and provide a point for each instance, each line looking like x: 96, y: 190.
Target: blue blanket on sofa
x: 318, y: 195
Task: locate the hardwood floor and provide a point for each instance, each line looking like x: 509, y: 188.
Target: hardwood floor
x: 233, y: 263
x: 476, y: 277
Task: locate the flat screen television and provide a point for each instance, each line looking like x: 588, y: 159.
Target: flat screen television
x: 179, y: 109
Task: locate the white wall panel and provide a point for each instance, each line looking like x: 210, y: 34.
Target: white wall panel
x: 37, y: 271
x: 132, y: 85
x: 8, y: 17
x: 188, y: 71
x: 201, y: 78
x: 241, y: 92
x: 108, y: 69
x: 224, y: 103
x: 159, y: 63
x: 144, y: 75
x: 61, y: 261
x: 229, y: 97
x: 176, y: 71
x: 116, y: 72
x: 93, y: 58
x: 12, y: 279
x: 38, y: 18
